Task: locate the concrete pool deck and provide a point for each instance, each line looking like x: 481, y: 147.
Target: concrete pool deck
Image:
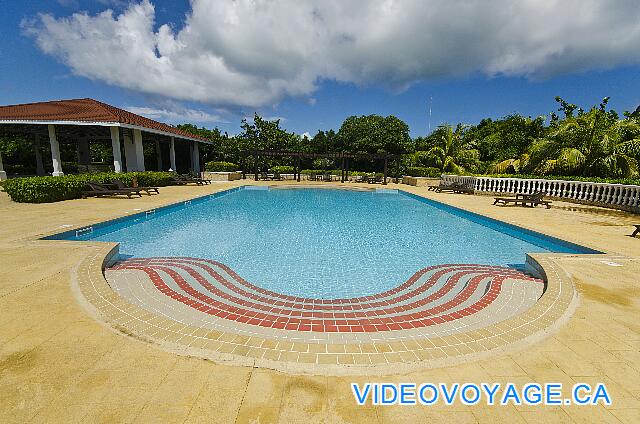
x: 58, y: 364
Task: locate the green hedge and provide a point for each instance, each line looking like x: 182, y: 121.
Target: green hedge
x: 315, y: 171
x: 282, y: 169
x: 54, y: 189
x: 221, y: 166
x: 419, y: 171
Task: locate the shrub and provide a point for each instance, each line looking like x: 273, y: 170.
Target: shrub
x: 282, y: 169
x: 418, y: 171
x: 54, y: 189
x: 214, y: 166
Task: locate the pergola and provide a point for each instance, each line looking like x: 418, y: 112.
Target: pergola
x: 344, y: 158
x: 85, y: 120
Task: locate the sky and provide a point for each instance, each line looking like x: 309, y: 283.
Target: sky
x: 311, y: 64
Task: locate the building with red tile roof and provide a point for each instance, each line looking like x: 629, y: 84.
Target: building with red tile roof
x: 85, y: 120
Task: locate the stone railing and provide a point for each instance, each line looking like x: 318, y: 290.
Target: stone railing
x: 617, y: 196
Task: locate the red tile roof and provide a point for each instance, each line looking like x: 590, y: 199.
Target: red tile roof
x: 84, y: 110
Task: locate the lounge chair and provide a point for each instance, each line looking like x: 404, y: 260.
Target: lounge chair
x: 636, y: 231
x: 465, y: 188
x: 327, y: 178
x: 263, y: 176
x: 530, y: 200
x: 121, y: 185
x: 182, y: 180
x: 276, y: 176
x: 99, y: 190
x: 196, y: 178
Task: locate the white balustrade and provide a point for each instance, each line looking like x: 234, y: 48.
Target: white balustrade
x: 617, y: 196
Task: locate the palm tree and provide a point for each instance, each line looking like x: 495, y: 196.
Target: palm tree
x: 451, y: 153
x: 593, y: 143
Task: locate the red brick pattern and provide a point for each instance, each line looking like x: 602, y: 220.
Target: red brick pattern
x: 433, y: 295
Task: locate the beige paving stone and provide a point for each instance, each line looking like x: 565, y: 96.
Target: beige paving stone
x: 264, y: 414
x: 590, y: 414
x: 627, y: 416
x: 457, y: 417
x: 546, y: 416
x: 350, y: 414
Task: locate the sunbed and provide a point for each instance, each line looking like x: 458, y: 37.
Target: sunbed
x: 187, y: 179
x: 180, y: 180
x: 195, y: 178
x: 454, y: 187
x: 121, y: 185
x: 530, y: 200
x: 99, y: 190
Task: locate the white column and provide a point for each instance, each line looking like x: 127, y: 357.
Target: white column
x: 55, y: 152
x: 39, y: 165
x: 129, y: 152
x: 172, y: 154
x: 115, y: 147
x: 195, y: 159
x: 3, y: 175
x: 137, y: 141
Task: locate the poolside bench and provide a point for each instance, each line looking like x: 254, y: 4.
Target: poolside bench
x: 196, y: 178
x: 100, y: 190
x: 530, y: 200
x: 185, y: 179
x: 122, y: 186
x: 468, y: 188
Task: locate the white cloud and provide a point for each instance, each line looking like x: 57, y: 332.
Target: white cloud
x: 256, y: 52
x: 306, y: 134
x: 176, y: 115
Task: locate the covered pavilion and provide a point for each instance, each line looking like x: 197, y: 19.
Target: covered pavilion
x: 83, y: 121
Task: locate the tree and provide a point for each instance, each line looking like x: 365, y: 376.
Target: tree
x: 374, y: 134
x: 592, y: 143
x: 322, y: 142
x: 263, y: 134
x: 452, y: 153
x: 219, y: 147
x: 506, y: 138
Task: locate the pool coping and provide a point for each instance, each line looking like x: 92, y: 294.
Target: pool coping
x: 554, y: 308
x: 550, y: 312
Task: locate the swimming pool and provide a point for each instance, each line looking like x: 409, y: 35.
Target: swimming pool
x: 323, y: 243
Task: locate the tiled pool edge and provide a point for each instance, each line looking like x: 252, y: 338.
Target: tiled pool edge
x: 552, y: 310
x: 154, y: 212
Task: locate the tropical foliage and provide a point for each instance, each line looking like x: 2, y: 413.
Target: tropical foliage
x: 590, y: 143
x: 573, y: 141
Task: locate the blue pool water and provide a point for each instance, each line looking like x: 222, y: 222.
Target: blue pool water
x: 324, y: 243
